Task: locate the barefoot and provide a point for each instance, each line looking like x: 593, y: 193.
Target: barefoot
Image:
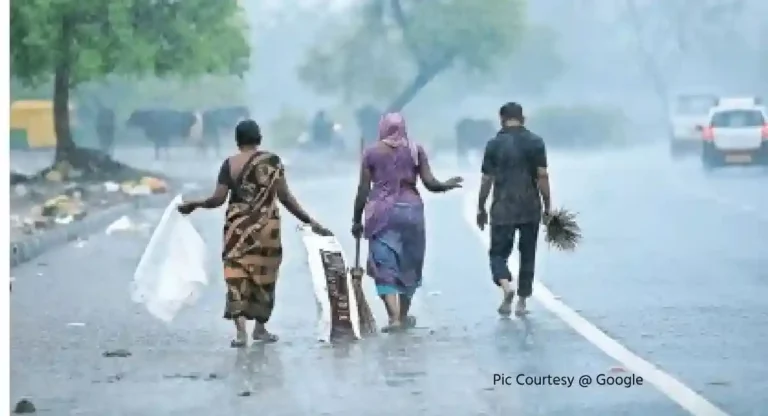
x: 394, y: 326
x: 506, y: 304
x: 409, y: 322
x: 261, y: 334
x: 240, y: 341
x: 520, y: 309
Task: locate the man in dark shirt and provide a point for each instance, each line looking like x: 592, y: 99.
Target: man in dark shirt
x: 515, y: 166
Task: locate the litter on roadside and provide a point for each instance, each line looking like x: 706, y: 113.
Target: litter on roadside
x: 110, y: 186
x: 64, y: 220
x: 122, y: 224
x: 75, y: 324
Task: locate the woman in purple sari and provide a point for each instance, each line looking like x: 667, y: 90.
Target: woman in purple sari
x: 394, y: 216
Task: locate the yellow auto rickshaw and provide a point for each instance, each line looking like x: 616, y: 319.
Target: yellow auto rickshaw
x: 32, y: 124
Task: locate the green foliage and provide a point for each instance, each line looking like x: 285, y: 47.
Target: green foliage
x: 475, y: 35
x: 396, y: 41
x: 579, y: 127
x: 356, y: 63
x: 95, y: 38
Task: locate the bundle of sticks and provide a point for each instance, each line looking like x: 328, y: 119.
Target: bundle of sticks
x: 367, y: 321
x: 562, y: 231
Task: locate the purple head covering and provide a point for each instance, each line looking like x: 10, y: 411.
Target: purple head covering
x: 393, y: 133
x: 392, y: 130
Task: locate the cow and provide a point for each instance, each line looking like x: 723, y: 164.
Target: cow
x: 221, y: 120
x: 162, y: 126
x: 105, y: 129
x: 196, y: 137
x: 472, y: 135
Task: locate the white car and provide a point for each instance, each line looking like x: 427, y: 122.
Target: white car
x: 737, y: 133
x: 689, y: 113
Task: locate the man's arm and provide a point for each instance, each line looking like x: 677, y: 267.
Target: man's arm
x: 542, y: 174
x: 488, y: 169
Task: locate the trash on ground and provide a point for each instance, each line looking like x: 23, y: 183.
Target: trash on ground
x: 122, y: 224
x: 135, y: 189
x: 119, y: 353
x: 54, y: 176
x: 155, y: 185
x: 110, y: 186
x: 24, y: 406
x: 75, y: 324
x: 64, y: 220
x: 435, y: 293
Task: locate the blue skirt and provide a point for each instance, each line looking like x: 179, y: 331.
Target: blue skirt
x: 396, y: 254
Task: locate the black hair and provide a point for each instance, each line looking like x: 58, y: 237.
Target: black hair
x: 247, y: 133
x: 512, y: 111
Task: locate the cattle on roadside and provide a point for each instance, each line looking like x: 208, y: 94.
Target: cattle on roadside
x: 105, y: 129
x: 221, y: 121
x: 196, y: 137
x: 162, y: 126
x: 472, y: 135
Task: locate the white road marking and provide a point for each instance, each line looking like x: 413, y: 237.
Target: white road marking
x: 691, y: 401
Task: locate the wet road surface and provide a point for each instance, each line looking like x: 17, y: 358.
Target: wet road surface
x: 674, y: 267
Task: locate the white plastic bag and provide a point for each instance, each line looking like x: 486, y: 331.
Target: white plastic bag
x: 318, y: 248
x: 171, y: 272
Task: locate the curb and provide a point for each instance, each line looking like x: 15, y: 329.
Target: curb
x: 31, y: 247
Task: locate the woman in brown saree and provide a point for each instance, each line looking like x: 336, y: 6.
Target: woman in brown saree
x: 254, y: 180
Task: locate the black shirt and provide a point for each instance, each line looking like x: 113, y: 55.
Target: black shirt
x: 512, y: 158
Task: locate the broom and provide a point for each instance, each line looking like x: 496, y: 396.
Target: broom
x: 562, y: 231
x: 367, y: 321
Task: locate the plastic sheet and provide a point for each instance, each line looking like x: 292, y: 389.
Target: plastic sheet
x: 171, y: 273
x: 336, y: 303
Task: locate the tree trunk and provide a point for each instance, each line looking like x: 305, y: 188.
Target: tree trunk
x: 422, y: 79
x: 649, y: 62
x: 65, y: 146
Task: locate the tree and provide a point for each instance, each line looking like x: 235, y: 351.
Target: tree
x: 423, y: 38
x: 709, y: 35
x: 75, y: 41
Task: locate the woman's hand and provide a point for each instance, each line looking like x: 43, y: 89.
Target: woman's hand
x: 357, y: 230
x: 187, y: 208
x: 453, y: 183
x: 320, y: 230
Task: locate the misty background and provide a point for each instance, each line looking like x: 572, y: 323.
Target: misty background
x: 610, y: 51
x: 623, y: 58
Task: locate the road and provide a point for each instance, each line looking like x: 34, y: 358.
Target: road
x: 673, y: 273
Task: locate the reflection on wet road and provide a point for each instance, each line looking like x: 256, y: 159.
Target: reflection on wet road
x: 674, y: 267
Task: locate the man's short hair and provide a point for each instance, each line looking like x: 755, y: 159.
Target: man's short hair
x: 511, y: 111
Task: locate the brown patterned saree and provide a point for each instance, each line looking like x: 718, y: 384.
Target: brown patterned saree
x: 252, y: 245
